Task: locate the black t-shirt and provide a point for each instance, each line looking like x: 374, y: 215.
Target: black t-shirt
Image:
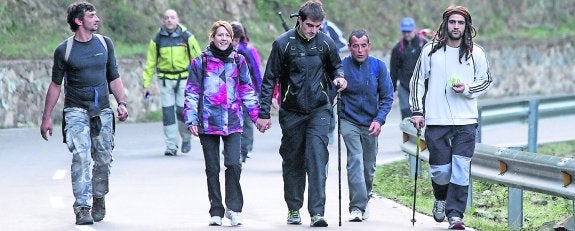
x: 89, y: 69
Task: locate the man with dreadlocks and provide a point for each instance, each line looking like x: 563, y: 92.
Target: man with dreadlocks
x: 450, y: 74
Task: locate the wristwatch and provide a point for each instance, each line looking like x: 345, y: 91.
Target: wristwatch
x: 122, y: 103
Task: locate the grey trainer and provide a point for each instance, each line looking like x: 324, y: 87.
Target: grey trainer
x: 439, y: 211
x: 456, y: 223
x: 215, y: 221
x: 318, y: 221
x: 293, y: 217
x: 235, y: 217
x: 355, y: 215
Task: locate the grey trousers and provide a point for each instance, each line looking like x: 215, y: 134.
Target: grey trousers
x: 172, y: 97
x: 361, y: 159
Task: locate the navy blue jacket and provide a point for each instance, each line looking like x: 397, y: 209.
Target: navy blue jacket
x: 369, y: 93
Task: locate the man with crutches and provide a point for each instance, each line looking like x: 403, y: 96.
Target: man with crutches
x: 362, y: 111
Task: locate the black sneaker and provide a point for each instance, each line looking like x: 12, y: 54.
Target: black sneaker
x: 293, y: 217
x: 186, y: 146
x: 83, y: 217
x: 438, y: 211
x: 171, y: 152
x: 318, y: 221
x: 99, y: 209
x: 456, y: 223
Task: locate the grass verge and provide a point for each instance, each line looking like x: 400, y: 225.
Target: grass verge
x: 489, y: 210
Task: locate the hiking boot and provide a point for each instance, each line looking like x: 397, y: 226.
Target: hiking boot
x: 83, y: 217
x: 439, y: 210
x: 215, y: 221
x: 456, y: 223
x: 355, y: 215
x: 318, y: 221
x: 186, y: 146
x: 171, y: 152
x: 98, y: 209
x: 235, y: 217
x: 293, y: 217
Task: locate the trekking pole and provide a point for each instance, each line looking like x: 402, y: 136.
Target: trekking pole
x: 416, y: 174
x: 284, y: 24
x: 339, y: 148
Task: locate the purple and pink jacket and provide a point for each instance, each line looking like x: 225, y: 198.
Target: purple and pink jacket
x: 225, y: 87
x: 253, y: 60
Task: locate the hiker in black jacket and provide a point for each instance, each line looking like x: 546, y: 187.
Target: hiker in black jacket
x: 403, y: 58
x: 304, y: 61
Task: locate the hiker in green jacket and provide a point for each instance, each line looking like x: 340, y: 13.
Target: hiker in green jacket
x: 169, y: 56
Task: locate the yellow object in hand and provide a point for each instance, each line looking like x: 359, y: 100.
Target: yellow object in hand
x: 453, y: 80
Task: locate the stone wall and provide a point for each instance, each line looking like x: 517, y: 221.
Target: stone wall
x: 536, y: 69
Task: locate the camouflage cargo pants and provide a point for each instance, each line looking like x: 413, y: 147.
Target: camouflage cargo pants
x: 85, y: 149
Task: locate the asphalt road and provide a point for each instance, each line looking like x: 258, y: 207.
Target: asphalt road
x: 149, y: 191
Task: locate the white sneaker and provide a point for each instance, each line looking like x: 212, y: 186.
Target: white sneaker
x: 355, y: 215
x: 235, y: 217
x: 365, y: 214
x: 216, y: 221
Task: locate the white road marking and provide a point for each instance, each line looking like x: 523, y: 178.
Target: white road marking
x: 59, y: 174
x: 56, y: 202
x: 84, y: 228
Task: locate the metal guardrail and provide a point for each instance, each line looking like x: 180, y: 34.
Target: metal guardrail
x: 516, y: 169
x: 521, y: 110
x: 496, y: 111
x: 525, y: 170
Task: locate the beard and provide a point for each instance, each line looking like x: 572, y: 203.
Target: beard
x: 454, y: 37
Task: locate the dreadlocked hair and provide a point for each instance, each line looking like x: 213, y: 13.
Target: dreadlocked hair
x: 441, y: 35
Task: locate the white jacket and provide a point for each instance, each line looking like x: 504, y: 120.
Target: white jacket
x: 443, y: 106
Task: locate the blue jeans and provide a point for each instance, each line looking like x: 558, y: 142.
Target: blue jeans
x: 233, y: 164
x: 85, y: 149
x: 361, y: 159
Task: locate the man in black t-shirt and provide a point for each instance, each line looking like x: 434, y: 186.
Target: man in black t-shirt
x: 87, y: 66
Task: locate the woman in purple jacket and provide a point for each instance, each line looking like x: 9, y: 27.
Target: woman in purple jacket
x: 217, y: 87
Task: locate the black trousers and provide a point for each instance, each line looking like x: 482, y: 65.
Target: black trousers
x: 451, y: 149
x: 211, y: 147
x: 304, y: 151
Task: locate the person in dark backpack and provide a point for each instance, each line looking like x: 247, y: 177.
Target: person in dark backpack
x: 403, y: 58
x: 88, y: 120
x: 218, y: 89
x: 169, y: 56
x: 304, y: 61
x: 363, y: 109
x: 242, y: 46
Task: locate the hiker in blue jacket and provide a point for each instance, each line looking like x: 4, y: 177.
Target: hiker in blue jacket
x: 363, y: 109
